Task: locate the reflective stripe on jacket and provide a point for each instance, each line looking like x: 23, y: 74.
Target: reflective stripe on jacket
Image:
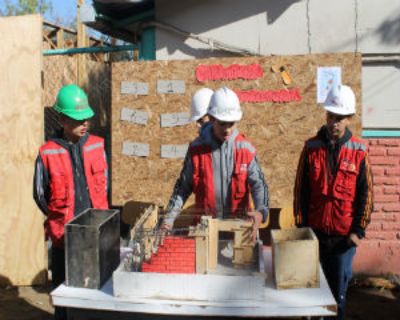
x: 57, y: 162
x: 332, y: 196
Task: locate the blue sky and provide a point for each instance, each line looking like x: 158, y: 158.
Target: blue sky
x: 64, y: 11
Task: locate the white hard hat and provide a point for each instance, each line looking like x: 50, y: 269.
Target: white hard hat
x: 200, y: 101
x: 341, y: 101
x: 225, y: 105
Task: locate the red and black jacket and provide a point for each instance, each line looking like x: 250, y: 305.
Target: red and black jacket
x: 68, y: 179
x: 333, y: 190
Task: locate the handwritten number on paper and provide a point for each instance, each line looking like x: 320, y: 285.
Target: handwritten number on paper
x: 170, y: 87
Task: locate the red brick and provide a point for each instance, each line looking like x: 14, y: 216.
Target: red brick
x: 371, y: 141
x: 380, y: 235
x: 389, y: 142
x: 383, y: 160
x: 378, y: 190
x: 374, y: 226
x: 393, y: 226
x: 385, y: 217
x: 393, y: 151
x: 377, y: 151
x: 386, y: 198
x: 161, y: 250
x: 377, y: 208
x: 392, y: 171
x: 391, y: 207
x: 188, y: 270
x: 378, y: 257
x: 386, y: 180
x: 378, y: 170
x: 389, y: 190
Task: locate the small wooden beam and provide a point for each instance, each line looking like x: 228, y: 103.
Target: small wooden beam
x: 286, y: 218
x: 232, y: 225
x: 60, y: 38
x: 212, y: 244
x: 81, y: 35
x: 201, y: 254
x: 51, y: 43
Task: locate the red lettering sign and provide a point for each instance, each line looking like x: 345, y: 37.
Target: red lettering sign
x: 232, y: 72
x: 279, y: 96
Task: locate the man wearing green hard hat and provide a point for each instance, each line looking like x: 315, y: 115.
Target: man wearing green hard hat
x: 71, y: 175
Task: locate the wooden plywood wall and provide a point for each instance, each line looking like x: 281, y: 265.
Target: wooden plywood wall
x: 22, y: 245
x: 278, y: 130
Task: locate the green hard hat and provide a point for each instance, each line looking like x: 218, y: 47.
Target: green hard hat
x: 73, y: 102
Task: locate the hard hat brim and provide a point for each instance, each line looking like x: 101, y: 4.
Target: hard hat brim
x: 196, y: 117
x: 81, y: 115
x: 227, y: 118
x: 338, y: 111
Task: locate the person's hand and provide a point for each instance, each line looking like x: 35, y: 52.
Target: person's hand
x: 354, y: 239
x: 256, y: 217
x: 166, y: 226
x: 163, y: 231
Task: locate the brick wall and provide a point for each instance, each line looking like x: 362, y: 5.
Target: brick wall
x: 175, y: 255
x: 380, y: 252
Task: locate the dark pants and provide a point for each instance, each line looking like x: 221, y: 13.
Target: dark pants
x: 58, y: 277
x: 336, y: 260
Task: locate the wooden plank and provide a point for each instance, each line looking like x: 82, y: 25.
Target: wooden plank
x: 60, y: 38
x: 201, y: 254
x: 286, y: 218
x: 232, y: 225
x: 22, y: 246
x: 81, y: 39
x: 212, y: 244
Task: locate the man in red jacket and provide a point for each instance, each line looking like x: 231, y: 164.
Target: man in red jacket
x: 221, y: 169
x: 333, y: 192
x: 70, y: 175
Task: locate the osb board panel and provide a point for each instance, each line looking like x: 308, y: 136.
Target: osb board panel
x: 22, y: 245
x: 62, y: 70
x: 278, y: 130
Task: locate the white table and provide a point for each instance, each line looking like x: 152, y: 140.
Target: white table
x: 101, y: 304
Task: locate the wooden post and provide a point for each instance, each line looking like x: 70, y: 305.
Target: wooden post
x: 286, y: 218
x: 201, y: 254
x: 212, y: 244
x: 60, y: 38
x: 81, y: 39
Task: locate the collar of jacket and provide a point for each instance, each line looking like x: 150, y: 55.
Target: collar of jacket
x: 208, y: 137
x: 65, y: 144
x: 323, y: 135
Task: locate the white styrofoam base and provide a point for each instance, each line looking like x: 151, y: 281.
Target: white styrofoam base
x: 187, y: 286
x: 225, y: 284
x: 276, y: 303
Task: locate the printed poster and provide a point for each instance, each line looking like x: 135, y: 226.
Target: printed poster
x: 328, y: 78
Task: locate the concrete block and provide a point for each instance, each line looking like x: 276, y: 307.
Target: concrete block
x: 295, y: 258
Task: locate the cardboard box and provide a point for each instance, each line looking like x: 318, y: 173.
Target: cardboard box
x: 92, y: 248
x: 295, y: 258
